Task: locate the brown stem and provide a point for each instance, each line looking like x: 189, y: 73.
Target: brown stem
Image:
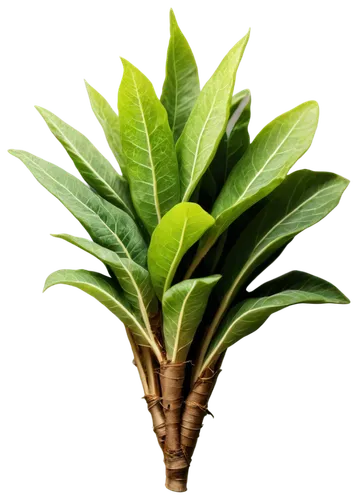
x: 153, y: 400
x: 137, y: 361
x: 156, y: 411
x: 196, y: 407
x: 149, y: 370
x: 172, y: 380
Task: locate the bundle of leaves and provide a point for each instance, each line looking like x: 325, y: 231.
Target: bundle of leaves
x: 197, y: 214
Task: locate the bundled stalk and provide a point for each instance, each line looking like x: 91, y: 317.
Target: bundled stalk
x: 172, y: 377
x: 196, y: 408
x: 198, y: 212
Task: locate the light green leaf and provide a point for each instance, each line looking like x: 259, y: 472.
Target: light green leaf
x: 292, y: 288
x: 102, y: 288
x: 109, y: 122
x: 181, y: 86
x: 262, y: 168
x: 179, y: 229
x: 303, y: 199
x: 107, y: 225
x: 91, y: 164
x: 133, y: 278
x: 205, y: 127
x: 148, y: 147
x: 183, y: 308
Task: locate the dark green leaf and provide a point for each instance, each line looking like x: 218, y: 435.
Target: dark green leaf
x: 102, y: 288
x: 292, y: 288
x: 132, y: 277
x: 107, y: 225
x: 303, y: 199
x: 91, y: 164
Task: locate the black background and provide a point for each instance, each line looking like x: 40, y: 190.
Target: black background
x: 70, y: 408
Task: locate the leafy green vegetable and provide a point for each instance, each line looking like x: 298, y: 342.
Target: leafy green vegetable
x: 183, y: 308
x: 109, y: 122
x: 197, y: 145
x: 262, y: 168
x: 132, y: 277
x: 94, y: 168
x: 106, y: 224
x: 293, y: 288
x: 179, y: 229
x: 148, y: 147
x: 181, y: 86
x: 303, y: 199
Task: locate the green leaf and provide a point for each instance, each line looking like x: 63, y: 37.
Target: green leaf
x: 293, y: 288
x: 133, y: 278
x: 179, y: 229
x: 262, y: 168
x: 148, y: 147
x: 205, y: 127
x: 109, y: 122
x: 183, y: 308
x: 103, y: 289
x: 303, y: 199
x: 106, y: 224
x: 237, y: 130
x: 213, y: 258
x: 181, y: 86
x: 235, y: 140
x: 94, y: 168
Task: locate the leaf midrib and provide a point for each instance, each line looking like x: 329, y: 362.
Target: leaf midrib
x: 176, y: 82
x: 155, y: 188
x: 180, y: 321
x: 142, y: 307
x: 172, y: 265
x: 198, y: 146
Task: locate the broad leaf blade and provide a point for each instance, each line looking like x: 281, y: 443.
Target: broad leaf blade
x: 106, y: 224
x: 205, y: 127
x: 148, y: 147
x: 91, y: 164
x: 179, y: 229
x: 133, y: 278
x: 183, y: 308
x: 292, y: 288
x: 181, y: 86
x: 263, y: 167
x: 109, y: 122
x: 102, y: 288
x: 303, y: 199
